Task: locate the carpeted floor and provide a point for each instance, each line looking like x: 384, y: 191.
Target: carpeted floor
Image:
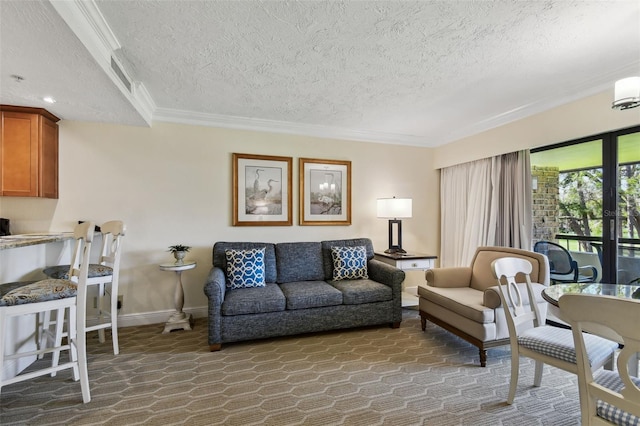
x: 369, y: 376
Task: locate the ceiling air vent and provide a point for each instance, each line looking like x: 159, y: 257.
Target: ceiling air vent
x: 120, y: 73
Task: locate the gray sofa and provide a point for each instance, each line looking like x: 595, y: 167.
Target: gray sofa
x: 300, y: 294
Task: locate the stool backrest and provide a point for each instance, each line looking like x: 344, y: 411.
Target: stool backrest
x: 112, y: 235
x: 80, y: 259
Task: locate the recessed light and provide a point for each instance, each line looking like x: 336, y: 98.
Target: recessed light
x: 49, y: 100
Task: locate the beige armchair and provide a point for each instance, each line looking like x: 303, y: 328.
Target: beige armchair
x: 466, y: 302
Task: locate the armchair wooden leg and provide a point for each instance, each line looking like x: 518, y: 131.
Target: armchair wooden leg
x: 215, y: 347
x: 483, y: 357
x: 395, y: 324
x: 423, y: 321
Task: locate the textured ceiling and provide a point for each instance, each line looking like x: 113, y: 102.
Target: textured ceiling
x: 422, y: 73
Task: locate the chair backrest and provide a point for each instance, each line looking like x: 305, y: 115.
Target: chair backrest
x: 560, y: 260
x: 516, y: 311
x: 604, y: 315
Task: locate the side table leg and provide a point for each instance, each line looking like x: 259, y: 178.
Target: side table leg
x: 178, y: 320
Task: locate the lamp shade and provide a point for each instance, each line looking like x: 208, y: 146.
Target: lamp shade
x: 393, y: 208
x: 627, y: 93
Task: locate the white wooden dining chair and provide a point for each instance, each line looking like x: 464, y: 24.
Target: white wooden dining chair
x: 57, y: 295
x: 528, y: 334
x: 106, y: 275
x: 606, y: 397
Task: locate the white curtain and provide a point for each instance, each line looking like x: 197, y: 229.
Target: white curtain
x: 485, y: 202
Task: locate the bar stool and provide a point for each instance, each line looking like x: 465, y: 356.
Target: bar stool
x: 57, y: 295
x: 106, y: 271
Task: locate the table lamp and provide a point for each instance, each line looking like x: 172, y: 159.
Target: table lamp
x: 394, y: 209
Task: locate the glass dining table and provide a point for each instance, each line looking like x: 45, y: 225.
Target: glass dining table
x: 553, y: 293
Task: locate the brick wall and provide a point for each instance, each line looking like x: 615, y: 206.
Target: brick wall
x: 545, y: 203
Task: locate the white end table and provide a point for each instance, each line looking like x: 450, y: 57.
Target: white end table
x: 178, y: 320
x: 408, y: 262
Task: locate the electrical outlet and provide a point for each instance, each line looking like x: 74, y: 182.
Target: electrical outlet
x: 120, y: 297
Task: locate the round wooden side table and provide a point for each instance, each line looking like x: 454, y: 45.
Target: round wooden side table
x: 179, y: 320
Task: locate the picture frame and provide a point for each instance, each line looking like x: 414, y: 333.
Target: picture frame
x: 262, y: 190
x: 325, y: 192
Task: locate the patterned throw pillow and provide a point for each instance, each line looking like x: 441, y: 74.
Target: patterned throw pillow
x: 245, y: 268
x: 349, y: 263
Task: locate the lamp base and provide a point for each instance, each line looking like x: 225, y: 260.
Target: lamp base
x: 395, y: 250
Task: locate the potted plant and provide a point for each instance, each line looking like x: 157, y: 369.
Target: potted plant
x: 179, y: 252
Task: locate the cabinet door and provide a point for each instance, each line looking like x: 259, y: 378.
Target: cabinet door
x: 48, y: 184
x: 19, y: 155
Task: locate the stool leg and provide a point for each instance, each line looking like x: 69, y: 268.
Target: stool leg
x: 114, y: 319
x: 79, y: 346
x: 100, y: 316
x: 57, y: 337
x: 73, y: 345
x: 43, y: 324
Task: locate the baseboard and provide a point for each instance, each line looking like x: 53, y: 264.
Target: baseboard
x: 157, y: 317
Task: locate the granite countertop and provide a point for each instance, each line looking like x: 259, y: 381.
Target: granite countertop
x: 23, y: 240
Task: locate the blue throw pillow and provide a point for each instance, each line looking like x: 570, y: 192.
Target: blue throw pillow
x: 245, y: 268
x: 349, y: 263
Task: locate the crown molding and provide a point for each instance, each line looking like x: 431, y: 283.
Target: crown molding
x: 286, y: 127
x: 87, y: 23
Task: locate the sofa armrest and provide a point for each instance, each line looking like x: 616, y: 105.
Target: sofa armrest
x: 449, y: 277
x: 386, y: 274
x: 390, y: 276
x: 215, y: 288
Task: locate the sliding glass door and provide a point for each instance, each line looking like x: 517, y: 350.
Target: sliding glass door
x: 586, y: 196
x: 624, y: 221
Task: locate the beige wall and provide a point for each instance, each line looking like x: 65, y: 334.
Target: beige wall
x: 172, y: 184
x: 585, y: 117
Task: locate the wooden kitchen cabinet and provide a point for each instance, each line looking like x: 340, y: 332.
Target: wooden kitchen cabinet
x: 28, y: 152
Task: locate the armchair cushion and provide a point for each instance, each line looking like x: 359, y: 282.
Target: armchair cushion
x: 465, y: 301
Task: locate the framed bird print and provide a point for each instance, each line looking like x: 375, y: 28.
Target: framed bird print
x: 261, y: 190
x: 325, y: 192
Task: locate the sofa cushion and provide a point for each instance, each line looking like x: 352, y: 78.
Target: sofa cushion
x: 245, y: 268
x: 299, y: 262
x: 349, y: 263
x: 310, y: 294
x: 356, y: 292
x: 220, y: 260
x: 253, y: 300
x: 465, y: 301
x: 327, y: 260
